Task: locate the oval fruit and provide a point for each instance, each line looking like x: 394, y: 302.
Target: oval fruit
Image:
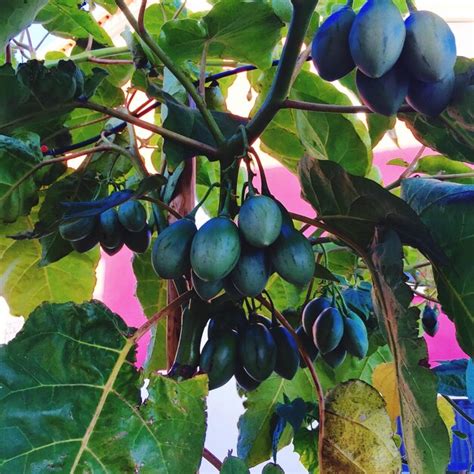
x: 376, y: 38
x: 272, y: 468
x: 231, y: 291
x: 384, y: 95
x: 308, y: 346
x: 170, y: 252
x: 132, y: 215
x: 288, y: 356
x: 87, y: 243
x: 230, y: 317
x: 218, y: 359
x: 77, y: 229
x: 311, y: 311
x: 355, y: 339
x: 215, y: 249
x: 257, y: 351
x: 330, y: 48
x: 113, y: 250
x: 328, y: 330
x: 206, y: 290
x: 260, y: 220
x: 111, y: 231
x: 252, y: 271
x: 430, y: 47
x: 243, y: 379
x: 429, y: 320
x: 336, y: 357
x: 138, y: 242
x: 292, y: 257
x: 431, y: 98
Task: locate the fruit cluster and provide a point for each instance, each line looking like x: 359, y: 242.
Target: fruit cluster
x: 236, y: 257
x: 112, y: 229
x: 395, y: 59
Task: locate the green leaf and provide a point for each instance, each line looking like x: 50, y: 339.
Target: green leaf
x: 73, y: 404
x: 16, y: 16
x: 17, y: 159
x: 234, y: 465
x: 305, y: 443
x: 245, y: 31
x: 254, y: 444
x: 353, y: 206
x: 152, y: 292
x: 447, y: 209
x: 358, y: 435
x: 109, y: 5
x: 378, y: 126
x: 284, y: 294
x: 425, y: 435
x: 64, y: 18
x: 26, y: 284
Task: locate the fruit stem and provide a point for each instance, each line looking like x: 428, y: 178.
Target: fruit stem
x: 411, y: 6
x: 349, y: 3
x: 192, y: 214
x: 225, y: 211
x: 261, y: 171
x: 340, y: 301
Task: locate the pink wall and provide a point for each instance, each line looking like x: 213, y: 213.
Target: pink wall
x: 119, y: 285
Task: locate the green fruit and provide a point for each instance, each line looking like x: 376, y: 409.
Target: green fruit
x: 431, y: 98
x: 330, y: 48
x: 260, y: 220
x: 308, y: 346
x: 283, y: 9
x: 328, y: 330
x: 384, y: 95
x: 292, y: 257
x: 429, y: 52
x: 218, y: 359
x: 244, y: 381
x: 231, y: 316
x: 288, y: 356
x: 170, y: 252
x: 215, y: 249
x: 87, y: 243
x: 376, y: 38
x: 231, y: 291
x: 336, y: 357
x: 272, y: 468
x: 132, y: 215
x: 252, y: 271
x: 111, y: 231
x: 311, y: 311
x: 355, y: 339
x: 138, y: 242
x: 77, y: 229
x: 257, y: 351
x: 206, y: 290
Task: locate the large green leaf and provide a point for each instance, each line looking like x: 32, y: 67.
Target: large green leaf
x: 424, y: 432
x: 17, y: 159
x: 255, y: 425
x: 245, y: 31
x: 358, y: 435
x: 70, y: 400
x: 25, y: 284
x: 64, y: 18
x: 353, y: 206
x: 16, y: 16
x: 447, y: 208
x: 305, y: 443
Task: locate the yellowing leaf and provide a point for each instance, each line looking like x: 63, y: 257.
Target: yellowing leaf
x: 384, y: 379
x: 446, y: 412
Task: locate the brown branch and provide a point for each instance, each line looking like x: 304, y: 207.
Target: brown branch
x: 141, y: 17
x: 332, y: 108
x: 426, y: 297
x: 409, y: 171
x: 163, y: 205
x: 212, y: 459
x: 8, y: 54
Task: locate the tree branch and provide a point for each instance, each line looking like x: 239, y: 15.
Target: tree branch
x: 410, y: 169
x: 333, y: 108
x: 96, y: 53
x: 94, y: 59
x: 212, y: 459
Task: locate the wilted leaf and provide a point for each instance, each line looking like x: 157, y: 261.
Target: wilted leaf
x: 384, y: 379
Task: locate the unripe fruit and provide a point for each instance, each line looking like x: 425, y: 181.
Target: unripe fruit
x: 328, y: 330
x: 311, y: 311
x: 132, y: 215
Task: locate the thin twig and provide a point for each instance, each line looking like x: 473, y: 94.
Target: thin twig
x: 141, y: 16
x: 8, y: 53
x: 179, y: 10
x: 426, y: 297
x: 469, y: 419
x: 31, y: 48
x: 409, y: 170
x: 212, y: 459
x: 93, y: 59
x: 202, y: 72
x: 332, y: 108
x: 163, y: 205
x: 299, y: 64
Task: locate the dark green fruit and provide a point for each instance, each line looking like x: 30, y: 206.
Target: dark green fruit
x: 376, y: 38
x: 231, y: 291
x: 87, y: 243
x: 288, y: 356
x: 257, y: 351
x: 384, y: 95
x: 431, y: 98
x: 170, y: 252
x: 429, y: 320
x: 355, y: 339
x: 259, y: 318
x: 429, y: 52
x: 243, y: 379
x: 328, y: 330
x: 111, y: 231
x: 252, y: 271
x: 114, y: 250
x: 292, y: 257
x: 260, y: 220
x: 132, y: 216
x: 218, y: 359
x: 77, y: 229
x: 206, y: 290
x: 336, y: 357
x: 311, y: 311
x: 215, y: 249
x: 231, y: 316
x: 138, y: 242
x: 308, y: 346
x: 330, y: 48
